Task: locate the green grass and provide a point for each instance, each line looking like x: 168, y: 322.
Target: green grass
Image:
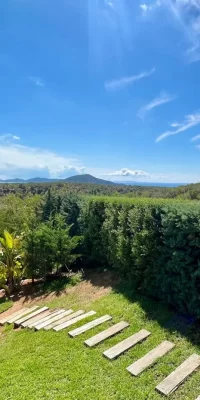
x: 5, y: 304
x: 50, y: 365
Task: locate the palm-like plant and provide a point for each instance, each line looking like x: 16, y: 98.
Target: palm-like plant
x: 10, y: 261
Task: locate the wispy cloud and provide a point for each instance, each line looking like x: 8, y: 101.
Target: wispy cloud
x: 7, y: 137
x: 37, y: 81
x: 121, y: 83
x: 190, y: 121
x: 194, y: 138
x: 187, y: 14
x: 157, y: 102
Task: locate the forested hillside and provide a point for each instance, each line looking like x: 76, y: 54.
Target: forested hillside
x: 188, y: 192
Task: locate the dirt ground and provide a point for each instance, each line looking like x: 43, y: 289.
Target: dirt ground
x: 94, y: 286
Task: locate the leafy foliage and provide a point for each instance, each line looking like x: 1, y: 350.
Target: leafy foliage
x: 10, y: 261
x: 155, y: 244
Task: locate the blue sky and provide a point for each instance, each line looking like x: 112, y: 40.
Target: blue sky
x: 107, y: 87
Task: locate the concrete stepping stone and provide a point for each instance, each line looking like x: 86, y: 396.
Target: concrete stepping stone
x: 42, y: 318
x: 100, y: 337
x: 63, y: 319
x: 173, y: 381
x: 90, y: 325
x: 126, y: 344
x: 150, y: 358
x: 51, y: 318
x: 19, y: 313
x: 28, y: 323
x: 73, y: 321
x: 23, y: 319
x: 29, y: 311
x: 15, y: 314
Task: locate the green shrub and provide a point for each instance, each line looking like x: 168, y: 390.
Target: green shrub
x: 154, y: 243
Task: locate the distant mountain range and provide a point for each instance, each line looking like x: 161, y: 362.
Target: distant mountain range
x: 85, y: 178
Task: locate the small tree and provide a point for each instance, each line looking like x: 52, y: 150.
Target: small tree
x: 10, y: 261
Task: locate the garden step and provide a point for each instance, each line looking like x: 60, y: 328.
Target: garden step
x: 63, y: 319
x: 54, y: 317
x: 36, y: 318
x: 90, y: 325
x: 126, y: 344
x: 43, y: 318
x: 150, y: 358
x: 172, y: 381
x: 13, y: 315
x: 37, y: 312
x: 73, y: 321
x: 100, y: 337
x: 29, y: 311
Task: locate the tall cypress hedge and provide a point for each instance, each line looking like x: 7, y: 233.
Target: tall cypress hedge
x: 155, y: 244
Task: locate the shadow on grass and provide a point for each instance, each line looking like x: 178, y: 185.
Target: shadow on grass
x: 166, y: 316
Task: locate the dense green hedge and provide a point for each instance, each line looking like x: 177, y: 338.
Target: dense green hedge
x: 154, y: 243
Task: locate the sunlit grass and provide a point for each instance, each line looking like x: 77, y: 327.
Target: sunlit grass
x: 50, y: 365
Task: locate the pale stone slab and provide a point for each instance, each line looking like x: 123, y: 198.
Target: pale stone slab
x: 90, y: 325
x: 73, y: 321
x: 198, y: 398
x: 150, y: 358
x: 126, y: 344
x: 173, y: 381
x: 51, y: 318
x: 27, y: 324
x: 29, y: 311
x: 22, y: 320
x: 15, y: 314
x: 100, y: 337
x: 43, y: 318
x: 63, y: 319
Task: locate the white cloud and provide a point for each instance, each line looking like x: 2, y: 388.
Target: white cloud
x: 158, y: 101
x: 26, y: 162
x: 148, y: 7
x: 7, y: 137
x: 190, y: 121
x: 37, y: 81
x: 116, y: 84
x: 194, y: 138
x: 144, y: 7
x: 128, y: 172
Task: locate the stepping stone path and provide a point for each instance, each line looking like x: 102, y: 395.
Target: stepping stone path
x: 57, y: 320
x: 172, y: 382
x: 31, y: 321
x: 100, y: 337
x: 90, y: 325
x: 126, y: 344
x: 52, y: 319
x: 73, y: 321
x: 24, y: 319
x: 150, y: 358
x: 63, y: 319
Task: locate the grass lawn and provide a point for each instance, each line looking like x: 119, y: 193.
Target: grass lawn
x: 50, y: 365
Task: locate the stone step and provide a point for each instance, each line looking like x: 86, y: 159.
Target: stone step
x: 73, y: 321
x: 100, y: 337
x: 173, y: 381
x: 90, y: 325
x: 126, y: 344
x: 150, y: 358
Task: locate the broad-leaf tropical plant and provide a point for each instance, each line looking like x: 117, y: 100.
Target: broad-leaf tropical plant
x: 10, y: 261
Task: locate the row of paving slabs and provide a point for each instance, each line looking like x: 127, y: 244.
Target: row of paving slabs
x: 44, y: 318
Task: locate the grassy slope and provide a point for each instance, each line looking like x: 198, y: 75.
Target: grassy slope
x: 50, y: 365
